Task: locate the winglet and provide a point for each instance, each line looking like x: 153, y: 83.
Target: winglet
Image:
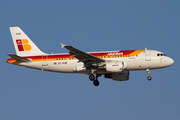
x: 62, y: 45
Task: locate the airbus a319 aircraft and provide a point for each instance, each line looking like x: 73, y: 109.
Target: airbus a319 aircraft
x: 112, y: 64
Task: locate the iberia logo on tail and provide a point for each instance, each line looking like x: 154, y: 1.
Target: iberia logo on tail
x: 23, y: 45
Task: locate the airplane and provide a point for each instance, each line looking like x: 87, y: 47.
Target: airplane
x: 114, y: 65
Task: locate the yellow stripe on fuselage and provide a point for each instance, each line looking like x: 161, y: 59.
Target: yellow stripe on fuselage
x: 136, y: 52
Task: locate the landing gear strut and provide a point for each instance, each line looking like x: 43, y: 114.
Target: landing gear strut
x: 95, y: 81
x: 148, y: 73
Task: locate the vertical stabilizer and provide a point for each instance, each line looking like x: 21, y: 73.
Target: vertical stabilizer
x: 23, y: 44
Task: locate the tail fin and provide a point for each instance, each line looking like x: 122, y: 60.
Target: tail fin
x: 23, y: 44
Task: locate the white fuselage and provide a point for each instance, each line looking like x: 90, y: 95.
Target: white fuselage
x: 148, y: 59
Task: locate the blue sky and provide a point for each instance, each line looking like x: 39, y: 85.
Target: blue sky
x: 96, y: 25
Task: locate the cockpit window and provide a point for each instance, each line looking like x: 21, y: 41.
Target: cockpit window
x: 161, y: 54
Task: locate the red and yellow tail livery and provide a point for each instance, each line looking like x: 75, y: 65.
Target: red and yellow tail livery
x: 23, y: 45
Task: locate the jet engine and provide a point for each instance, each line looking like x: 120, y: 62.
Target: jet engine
x: 120, y: 76
x: 115, y: 66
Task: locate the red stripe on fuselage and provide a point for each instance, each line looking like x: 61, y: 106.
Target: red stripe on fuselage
x: 113, y: 53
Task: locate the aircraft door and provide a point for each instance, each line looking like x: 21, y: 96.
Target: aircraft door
x: 148, y: 55
x: 44, y: 60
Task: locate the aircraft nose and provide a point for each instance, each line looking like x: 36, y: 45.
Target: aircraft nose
x: 170, y: 61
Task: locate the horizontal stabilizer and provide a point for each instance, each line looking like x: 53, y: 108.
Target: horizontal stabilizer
x: 18, y: 58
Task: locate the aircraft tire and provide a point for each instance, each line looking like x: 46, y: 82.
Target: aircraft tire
x: 96, y: 83
x: 91, y: 77
x: 149, y: 78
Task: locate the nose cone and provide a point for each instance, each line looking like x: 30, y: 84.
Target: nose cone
x: 170, y: 61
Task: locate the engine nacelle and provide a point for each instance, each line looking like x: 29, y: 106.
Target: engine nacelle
x: 115, y: 66
x: 120, y: 76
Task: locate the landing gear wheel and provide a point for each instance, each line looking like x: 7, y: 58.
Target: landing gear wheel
x: 91, y: 77
x: 149, y: 78
x: 148, y: 73
x: 96, y: 83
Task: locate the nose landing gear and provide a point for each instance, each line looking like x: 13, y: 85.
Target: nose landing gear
x: 149, y: 78
x: 148, y: 73
x: 95, y: 81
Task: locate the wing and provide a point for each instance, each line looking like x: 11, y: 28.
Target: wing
x: 86, y: 58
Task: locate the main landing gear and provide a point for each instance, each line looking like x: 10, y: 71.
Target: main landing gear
x: 91, y: 77
x: 148, y: 73
x: 95, y: 80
